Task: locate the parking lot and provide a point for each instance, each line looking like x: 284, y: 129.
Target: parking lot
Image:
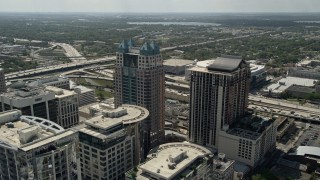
x: 310, y: 137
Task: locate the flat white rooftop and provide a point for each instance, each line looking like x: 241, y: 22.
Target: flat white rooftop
x: 285, y: 83
x: 19, y: 131
x: 176, y: 62
x: 125, y: 114
x: 160, y: 159
x: 60, y: 93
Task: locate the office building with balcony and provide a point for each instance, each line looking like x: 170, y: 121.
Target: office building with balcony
x: 35, y: 148
x: 111, y: 143
x: 139, y: 80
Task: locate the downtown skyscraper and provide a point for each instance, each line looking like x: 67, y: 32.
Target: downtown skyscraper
x: 139, y: 80
x: 218, y: 97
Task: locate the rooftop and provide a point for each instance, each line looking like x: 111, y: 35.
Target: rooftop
x: 285, y: 83
x: 308, y: 150
x: 83, y: 89
x: 20, y: 90
x: 131, y: 48
x: 176, y: 62
x: 221, y: 163
x: 302, y: 89
x: 168, y: 160
x: 226, y: 63
x: 44, y: 80
x: 19, y: 131
x: 250, y: 127
x: 125, y: 114
x: 60, y: 93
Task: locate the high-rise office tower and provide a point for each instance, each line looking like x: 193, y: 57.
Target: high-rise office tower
x: 2, y: 81
x: 139, y: 80
x: 218, y: 97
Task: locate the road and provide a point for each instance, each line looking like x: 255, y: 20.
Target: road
x: 67, y: 66
x: 212, y: 41
x: 71, y: 52
x: 278, y: 107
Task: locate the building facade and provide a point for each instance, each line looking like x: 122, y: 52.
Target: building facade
x: 59, y: 82
x: 111, y: 143
x: 139, y: 80
x: 3, y: 87
x: 67, y: 106
x: 85, y: 95
x: 218, y: 96
x: 250, y: 141
x: 35, y: 148
x: 32, y: 101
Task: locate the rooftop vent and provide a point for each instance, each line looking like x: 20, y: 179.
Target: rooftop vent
x: 115, y: 113
x: 9, y: 116
x: 10, y: 125
x: 221, y: 156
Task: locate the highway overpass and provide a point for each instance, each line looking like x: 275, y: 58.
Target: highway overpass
x: 57, y: 68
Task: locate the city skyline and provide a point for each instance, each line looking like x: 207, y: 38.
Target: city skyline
x: 159, y: 6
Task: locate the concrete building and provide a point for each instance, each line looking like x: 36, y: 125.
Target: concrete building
x: 223, y: 168
x: 139, y: 80
x: 175, y: 66
x: 310, y: 73
x: 66, y: 105
x: 183, y: 161
x: 249, y: 140
x: 85, y: 95
x: 278, y: 88
x: 63, y: 83
x: 258, y: 74
x: 300, y: 91
x: 35, y: 148
x: 111, y: 143
x: 218, y: 97
x: 32, y: 101
x: 3, y: 87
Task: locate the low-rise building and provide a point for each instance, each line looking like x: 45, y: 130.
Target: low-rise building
x: 280, y: 87
x: 175, y: 66
x: 249, y: 140
x: 35, y: 148
x: 85, y: 95
x: 112, y: 142
x: 300, y: 91
x: 66, y: 105
x: 60, y: 82
x: 258, y: 74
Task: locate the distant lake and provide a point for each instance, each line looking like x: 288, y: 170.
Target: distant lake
x: 175, y: 23
x: 317, y: 22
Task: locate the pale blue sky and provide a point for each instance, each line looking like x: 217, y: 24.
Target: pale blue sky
x: 160, y: 5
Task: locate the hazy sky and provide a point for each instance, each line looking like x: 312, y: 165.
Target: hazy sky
x: 160, y: 5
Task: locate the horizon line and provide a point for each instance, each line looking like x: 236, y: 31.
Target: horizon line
x: 169, y: 12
